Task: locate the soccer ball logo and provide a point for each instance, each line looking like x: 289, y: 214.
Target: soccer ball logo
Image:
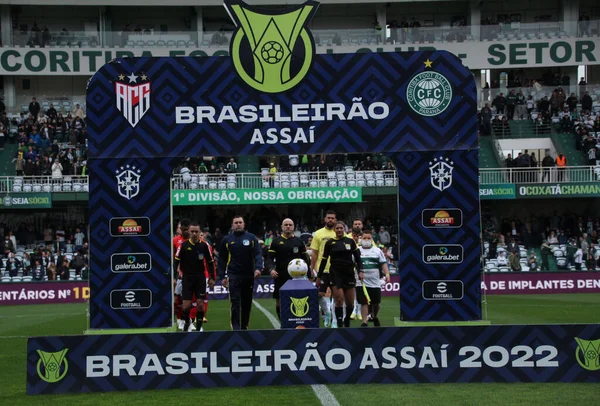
x: 272, y: 52
x: 297, y: 268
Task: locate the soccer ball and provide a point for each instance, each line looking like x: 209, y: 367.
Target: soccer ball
x: 272, y: 52
x: 297, y: 268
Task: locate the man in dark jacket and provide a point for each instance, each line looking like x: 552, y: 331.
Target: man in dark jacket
x: 240, y: 262
x: 586, y: 102
x: 34, y: 108
x: 547, y: 163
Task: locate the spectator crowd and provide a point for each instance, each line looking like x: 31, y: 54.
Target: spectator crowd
x: 50, y: 144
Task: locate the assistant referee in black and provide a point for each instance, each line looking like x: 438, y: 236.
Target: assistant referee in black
x: 194, y: 261
x: 283, y: 249
x: 240, y: 262
x: 344, y: 256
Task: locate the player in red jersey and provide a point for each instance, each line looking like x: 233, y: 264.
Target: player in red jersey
x: 181, y: 235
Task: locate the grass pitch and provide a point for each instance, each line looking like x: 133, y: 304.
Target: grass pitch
x: 18, y: 322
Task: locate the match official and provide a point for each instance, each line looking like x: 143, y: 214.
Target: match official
x: 240, y: 262
x: 317, y: 246
x: 283, y: 249
x: 344, y: 256
x: 194, y: 260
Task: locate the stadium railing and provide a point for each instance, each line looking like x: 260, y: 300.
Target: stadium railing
x: 322, y: 179
x: 40, y: 184
x: 582, y: 174
x: 264, y: 180
x: 151, y: 38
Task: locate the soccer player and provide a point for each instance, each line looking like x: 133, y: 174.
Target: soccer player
x: 355, y: 234
x: 181, y: 234
x: 344, y: 256
x: 192, y: 259
x: 208, y: 276
x: 373, y: 262
x: 282, y: 250
x: 320, y: 237
x: 240, y: 262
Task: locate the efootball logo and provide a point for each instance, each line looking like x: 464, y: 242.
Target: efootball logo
x: 52, y: 366
x: 263, y: 47
x: 133, y: 96
x: 429, y: 93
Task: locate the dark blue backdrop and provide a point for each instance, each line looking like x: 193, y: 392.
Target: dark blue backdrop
x: 155, y: 142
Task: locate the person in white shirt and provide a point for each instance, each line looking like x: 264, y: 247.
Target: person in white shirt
x: 502, y: 259
x: 79, y: 237
x: 578, y: 258
x: 368, y: 291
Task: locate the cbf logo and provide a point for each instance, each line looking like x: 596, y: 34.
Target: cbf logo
x: 299, y: 307
x: 128, y: 181
x: 429, y: 93
x: 133, y: 97
x: 441, y: 173
x: 271, y: 64
x: 588, y: 354
x: 52, y: 366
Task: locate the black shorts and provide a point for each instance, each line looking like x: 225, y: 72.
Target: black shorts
x: 374, y: 295
x: 193, y: 285
x: 279, y: 282
x: 343, y: 280
x: 325, y: 282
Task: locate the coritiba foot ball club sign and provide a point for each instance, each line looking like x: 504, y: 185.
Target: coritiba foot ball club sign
x: 275, y: 96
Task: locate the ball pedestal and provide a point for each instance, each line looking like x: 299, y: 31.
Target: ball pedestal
x: 299, y: 304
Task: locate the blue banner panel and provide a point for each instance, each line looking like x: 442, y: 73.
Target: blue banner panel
x: 554, y: 353
x: 419, y: 108
x: 130, y: 286
x: 299, y: 304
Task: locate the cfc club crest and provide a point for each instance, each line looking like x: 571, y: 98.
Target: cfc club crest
x: 441, y: 173
x: 128, y: 181
x: 263, y: 47
x: 133, y: 97
x: 429, y: 93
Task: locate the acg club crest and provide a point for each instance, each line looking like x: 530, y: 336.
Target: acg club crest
x: 133, y: 97
x: 52, y: 366
x: 271, y: 37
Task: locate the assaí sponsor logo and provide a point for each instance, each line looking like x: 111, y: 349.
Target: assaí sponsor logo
x: 130, y: 226
x: 442, y: 218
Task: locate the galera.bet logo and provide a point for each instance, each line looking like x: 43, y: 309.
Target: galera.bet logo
x: 263, y: 45
x: 52, y: 366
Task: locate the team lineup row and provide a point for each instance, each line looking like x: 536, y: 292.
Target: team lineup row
x: 347, y: 266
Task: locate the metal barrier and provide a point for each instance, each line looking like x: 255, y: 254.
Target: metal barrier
x: 36, y: 184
